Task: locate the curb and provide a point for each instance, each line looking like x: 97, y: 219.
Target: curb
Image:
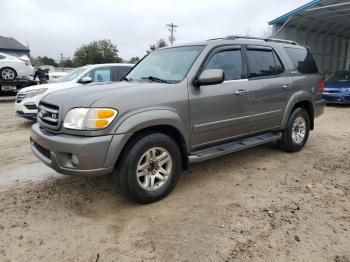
x: 7, y: 98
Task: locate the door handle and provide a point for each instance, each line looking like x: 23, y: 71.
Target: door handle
x: 240, y: 92
x: 286, y: 86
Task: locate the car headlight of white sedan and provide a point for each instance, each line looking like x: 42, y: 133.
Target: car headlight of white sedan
x: 31, y: 93
x: 89, y: 118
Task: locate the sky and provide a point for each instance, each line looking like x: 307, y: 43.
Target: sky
x: 52, y: 27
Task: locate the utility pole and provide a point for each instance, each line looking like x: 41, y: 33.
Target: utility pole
x: 172, y: 29
x: 61, y: 61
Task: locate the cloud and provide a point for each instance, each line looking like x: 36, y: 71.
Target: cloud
x: 61, y: 26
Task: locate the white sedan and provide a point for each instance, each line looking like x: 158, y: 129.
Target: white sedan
x: 12, y: 67
x: 28, y: 98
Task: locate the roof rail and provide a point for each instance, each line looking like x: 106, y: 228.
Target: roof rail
x: 276, y: 40
x: 218, y: 38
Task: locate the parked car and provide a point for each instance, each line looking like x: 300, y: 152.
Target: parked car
x: 180, y: 105
x: 337, y: 88
x: 55, y: 77
x: 12, y: 67
x: 27, y: 99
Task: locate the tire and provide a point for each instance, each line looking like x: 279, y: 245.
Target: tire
x: 134, y: 181
x: 293, y: 137
x: 8, y: 73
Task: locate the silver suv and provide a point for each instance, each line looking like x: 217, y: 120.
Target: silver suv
x: 180, y: 105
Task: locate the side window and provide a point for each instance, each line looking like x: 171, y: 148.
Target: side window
x: 263, y: 63
x: 102, y: 74
x: 230, y: 61
x: 302, y: 60
x: 120, y: 71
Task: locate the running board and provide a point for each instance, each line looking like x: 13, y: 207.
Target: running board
x: 228, y: 148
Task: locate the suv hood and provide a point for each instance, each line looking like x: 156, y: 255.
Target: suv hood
x: 121, y: 96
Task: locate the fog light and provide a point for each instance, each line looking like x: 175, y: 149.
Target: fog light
x: 75, y: 160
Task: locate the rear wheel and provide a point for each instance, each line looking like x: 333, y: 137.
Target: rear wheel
x: 149, y: 168
x: 8, y: 73
x: 296, y: 133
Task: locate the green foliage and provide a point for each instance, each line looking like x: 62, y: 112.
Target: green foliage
x: 133, y: 60
x: 161, y: 43
x: 66, y: 63
x: 46, y: 61
x: 97, y: 52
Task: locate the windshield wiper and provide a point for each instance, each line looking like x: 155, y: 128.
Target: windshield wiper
x: 156, y: 79
x: 125, y: 79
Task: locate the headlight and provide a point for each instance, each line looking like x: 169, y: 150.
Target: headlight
x: 32, y: 93
x: 345, y: 89
x: 89, y: 118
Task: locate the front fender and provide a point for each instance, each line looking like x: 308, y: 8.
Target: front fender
x: 151, y: 118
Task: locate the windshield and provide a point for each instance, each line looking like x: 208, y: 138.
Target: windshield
x: 73, y: 74
x: 343, y: 76
x: 170, y: 64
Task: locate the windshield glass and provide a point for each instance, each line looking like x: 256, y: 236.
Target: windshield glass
x: 171, y: 64
x: 73, y: 74
x: 343, y: 76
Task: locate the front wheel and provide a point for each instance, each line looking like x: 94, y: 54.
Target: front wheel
x: 149, y: 168
x: 296, y: 133
x: 8, y: 73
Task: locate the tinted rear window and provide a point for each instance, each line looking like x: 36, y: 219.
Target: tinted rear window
x: 302, y: 60
x: 263, y: 63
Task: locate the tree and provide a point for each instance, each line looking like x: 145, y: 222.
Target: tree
x: 97, y: 52
x: 161, y: 43
x: 46, y: 61
x: 66, y: 63
x: 133, y: 60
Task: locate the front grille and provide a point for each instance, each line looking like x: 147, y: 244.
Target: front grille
x: 46, y: 153
x: 333, y: 91
x: 19, y: 97
x: 331, y: 98
x: 31, y: 106
x: 48, y: 115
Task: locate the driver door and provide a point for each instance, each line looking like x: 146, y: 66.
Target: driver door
x: 221, y: 112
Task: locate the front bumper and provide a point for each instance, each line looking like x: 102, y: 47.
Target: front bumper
x: 96, y: 155
x: 26, y: 110
x: 337, y: 98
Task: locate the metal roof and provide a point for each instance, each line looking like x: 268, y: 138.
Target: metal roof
x: 9, y: 43
x: 322, y: 16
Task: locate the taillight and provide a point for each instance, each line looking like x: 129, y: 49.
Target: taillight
x: 321, y: 85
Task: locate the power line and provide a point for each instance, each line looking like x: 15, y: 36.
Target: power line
x: 172, y: 30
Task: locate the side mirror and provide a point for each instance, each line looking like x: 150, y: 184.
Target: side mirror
x: 85, y: 80
x: 211, y: 77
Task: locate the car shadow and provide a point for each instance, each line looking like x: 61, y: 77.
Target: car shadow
x: 99, y: 196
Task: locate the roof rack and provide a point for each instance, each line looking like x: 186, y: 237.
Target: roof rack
x: 276, y: 40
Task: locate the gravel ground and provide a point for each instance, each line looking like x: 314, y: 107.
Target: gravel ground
x: 260, y: 204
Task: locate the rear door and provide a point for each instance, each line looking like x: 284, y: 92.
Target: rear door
x: 269, y: 87
x: 220, y: 112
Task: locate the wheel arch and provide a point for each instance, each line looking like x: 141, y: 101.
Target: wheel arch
x: 303, y: 100
x: 156, y: 121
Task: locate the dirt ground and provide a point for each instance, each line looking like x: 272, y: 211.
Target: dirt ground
x: 260, y: 204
